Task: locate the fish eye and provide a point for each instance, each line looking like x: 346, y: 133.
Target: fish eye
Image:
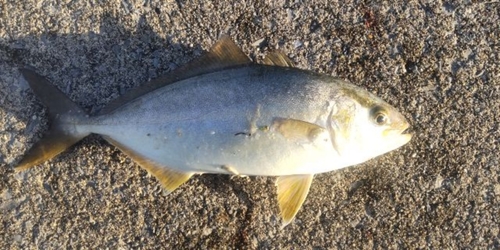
x: 381, y: 119
x: 379, y: 116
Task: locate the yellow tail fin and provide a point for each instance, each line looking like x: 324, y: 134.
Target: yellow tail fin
x: 63, y: 114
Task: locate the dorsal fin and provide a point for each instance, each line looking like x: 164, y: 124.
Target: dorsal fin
x: 223, y: 54
x: 278, y: 58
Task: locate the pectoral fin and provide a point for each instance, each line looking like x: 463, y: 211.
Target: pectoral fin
x: 299, y: 130
x: 292, y: 191
x: 170, y: 179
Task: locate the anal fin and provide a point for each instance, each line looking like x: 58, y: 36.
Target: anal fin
x: 170, y: 179
x: 292, y: 192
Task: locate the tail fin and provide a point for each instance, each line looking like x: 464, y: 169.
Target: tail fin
x: 62, y: 114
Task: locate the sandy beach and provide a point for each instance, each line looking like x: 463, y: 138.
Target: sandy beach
x: 436, y: 62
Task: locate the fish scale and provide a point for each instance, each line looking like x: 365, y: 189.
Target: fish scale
x: 200, y: 133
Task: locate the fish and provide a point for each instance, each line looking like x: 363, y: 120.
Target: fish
x: 224, y: 114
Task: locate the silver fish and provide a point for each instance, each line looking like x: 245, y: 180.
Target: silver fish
x: 223, y: 114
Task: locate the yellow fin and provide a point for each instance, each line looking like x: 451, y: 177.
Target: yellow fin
x: 52, y: 144
x: 223, y: 54
x: 292, y: 191
x: 299, y: 130
x: 278, y: 58
x: 230, y: 169
x: 61, y: 110
x: 170, y: 179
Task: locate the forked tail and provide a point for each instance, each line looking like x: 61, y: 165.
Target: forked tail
x: 64, y: 115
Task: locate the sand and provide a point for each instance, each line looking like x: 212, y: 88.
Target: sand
x: 436, y: 62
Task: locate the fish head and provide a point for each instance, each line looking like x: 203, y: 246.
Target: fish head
x: 363, y: 126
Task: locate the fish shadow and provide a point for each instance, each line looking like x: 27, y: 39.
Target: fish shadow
x: 95, y: 68
x: 92, y: 69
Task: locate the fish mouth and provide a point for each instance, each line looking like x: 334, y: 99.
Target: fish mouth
x: 407, y: 130
x: 406, y: 133
x: 399, y: 136
x: 402, y: 130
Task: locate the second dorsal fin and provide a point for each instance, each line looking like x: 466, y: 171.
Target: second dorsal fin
x: 278, y: 58
x: 223, y: 54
